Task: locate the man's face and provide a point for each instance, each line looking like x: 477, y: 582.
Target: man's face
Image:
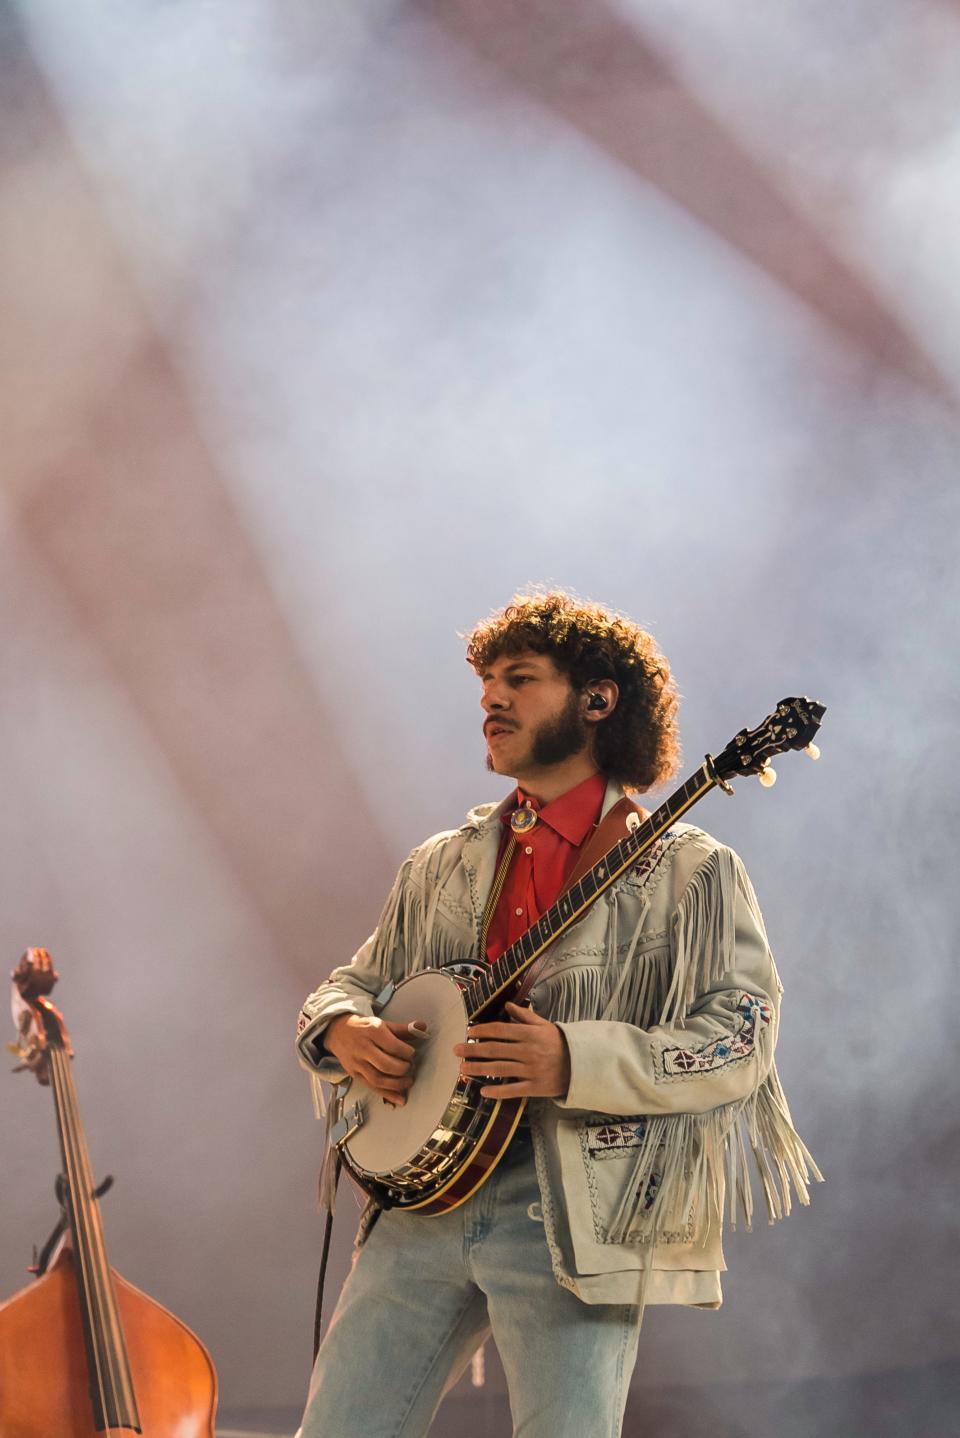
x: 533, y: 715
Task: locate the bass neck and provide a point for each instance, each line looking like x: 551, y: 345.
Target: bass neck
x: 108, y: 1365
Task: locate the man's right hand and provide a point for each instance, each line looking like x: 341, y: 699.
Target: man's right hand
x: 376, y: 1051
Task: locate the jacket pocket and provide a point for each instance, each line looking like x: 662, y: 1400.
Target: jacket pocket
x: 624, y: 1159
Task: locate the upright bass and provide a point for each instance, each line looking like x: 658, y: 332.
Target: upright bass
x: 83, y: 1352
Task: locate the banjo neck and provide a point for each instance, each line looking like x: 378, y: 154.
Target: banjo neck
x: 494, y: 984
x: 792, y: 725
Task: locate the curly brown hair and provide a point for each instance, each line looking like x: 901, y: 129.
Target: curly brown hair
x: 638, y: 744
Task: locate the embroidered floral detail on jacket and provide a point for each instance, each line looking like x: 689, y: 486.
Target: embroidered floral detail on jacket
x: 615, y: 1136
x: 651, y: 857
x: 727, y: 1049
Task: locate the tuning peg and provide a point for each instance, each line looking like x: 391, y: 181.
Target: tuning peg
x: 767, y: 776
x: 812, y: 751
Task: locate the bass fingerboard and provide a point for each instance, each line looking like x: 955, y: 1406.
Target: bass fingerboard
x: 501, y: 975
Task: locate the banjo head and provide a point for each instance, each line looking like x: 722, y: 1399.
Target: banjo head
x: 389, y: 1136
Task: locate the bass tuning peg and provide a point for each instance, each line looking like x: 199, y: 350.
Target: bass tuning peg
x: 767, y: 776
x: 812, y: 751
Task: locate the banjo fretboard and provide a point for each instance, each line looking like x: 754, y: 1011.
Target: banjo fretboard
x: 573, y: 903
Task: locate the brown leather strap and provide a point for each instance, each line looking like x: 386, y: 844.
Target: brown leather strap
x: 611, y: 829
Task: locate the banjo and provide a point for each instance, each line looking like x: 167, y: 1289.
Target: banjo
x: 432, y: 1153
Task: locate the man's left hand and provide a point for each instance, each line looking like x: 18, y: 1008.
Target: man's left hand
x: 529, y: 1056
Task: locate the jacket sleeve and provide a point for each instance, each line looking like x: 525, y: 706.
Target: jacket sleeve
x: 353, y: 988
x: 715, y: 1042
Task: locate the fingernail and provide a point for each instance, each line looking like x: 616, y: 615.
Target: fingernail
x: 418, y: 1027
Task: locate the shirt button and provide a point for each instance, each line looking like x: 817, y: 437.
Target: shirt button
x: 528, y: 849
x: 519, y: 912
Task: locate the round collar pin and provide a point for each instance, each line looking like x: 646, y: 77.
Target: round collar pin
x: 523, y: 820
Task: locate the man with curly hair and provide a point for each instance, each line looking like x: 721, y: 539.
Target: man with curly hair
x: 646, y: 1050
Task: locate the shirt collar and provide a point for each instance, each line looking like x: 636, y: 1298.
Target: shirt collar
x: 573, y: 814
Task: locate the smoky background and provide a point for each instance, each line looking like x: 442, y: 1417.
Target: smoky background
x: 324, y: 328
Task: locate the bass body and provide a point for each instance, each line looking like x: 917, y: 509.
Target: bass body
x: 44, y: 1377
x: 82, y: 1352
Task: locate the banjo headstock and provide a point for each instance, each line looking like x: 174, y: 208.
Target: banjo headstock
x: 792, y: 725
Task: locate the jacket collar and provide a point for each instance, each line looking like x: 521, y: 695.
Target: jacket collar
x: 571, y: 815
x: 615, y: 792
x: 482, y: 843
x: 486, y: 816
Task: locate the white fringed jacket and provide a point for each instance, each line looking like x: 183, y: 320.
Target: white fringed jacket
x: 668, y: 997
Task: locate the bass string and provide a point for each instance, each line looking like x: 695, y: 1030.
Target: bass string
x: 76, y: 1184
x: 110, y: 1329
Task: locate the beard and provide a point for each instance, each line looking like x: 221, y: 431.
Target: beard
x: 557, y: 739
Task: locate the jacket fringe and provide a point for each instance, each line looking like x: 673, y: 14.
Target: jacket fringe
x: 410, y: 925
x: 628, y: 985
x: 674, y: 1188
x: 318, y: 1097
x: 676, y: 1184
x: 689, y: 1166
x: 702, y: 935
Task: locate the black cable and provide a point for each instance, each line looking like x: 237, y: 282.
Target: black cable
x: 325, y: 1254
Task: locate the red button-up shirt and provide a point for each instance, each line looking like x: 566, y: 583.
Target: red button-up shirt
x: 545, y: 855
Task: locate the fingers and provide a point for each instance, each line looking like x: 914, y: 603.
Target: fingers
x: 378, y: 1058
x: 521, y: 1014
x: 494, y: 1031
x: 507, y: 1068
x: 520, y: 1089
x: 416, y: 1029
x: 524, y: 1014
x: 385, y: 1060
x: 391, y: 1090
x: 478, y: 1051
x: 386, y: 1050
x: 382, y: 1082
x: 395, y: 1100
x: 387, y: 1037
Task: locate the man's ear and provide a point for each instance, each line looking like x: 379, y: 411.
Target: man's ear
x: 599, y: 699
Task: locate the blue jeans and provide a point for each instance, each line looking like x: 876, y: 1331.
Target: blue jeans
x: 425, y: 1292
